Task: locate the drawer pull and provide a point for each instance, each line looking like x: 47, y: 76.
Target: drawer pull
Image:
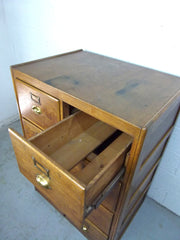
x: 35, y: 98
x: 43, y: 180
x: 84, y: 228
x: 106, y: 191
x: 36, y: 109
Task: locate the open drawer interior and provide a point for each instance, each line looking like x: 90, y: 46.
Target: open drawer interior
x: 80, y: 159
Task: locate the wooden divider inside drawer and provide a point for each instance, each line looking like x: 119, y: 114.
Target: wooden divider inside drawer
x: 48, y: 159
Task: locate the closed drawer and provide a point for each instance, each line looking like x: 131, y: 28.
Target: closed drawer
x: 30, y: 129
x: 56, y: 162
x: 101, y: 218
x: 38, y: 107
x: 92, y: 232
x: 103, y: 215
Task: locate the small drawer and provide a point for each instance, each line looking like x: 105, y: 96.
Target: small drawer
x: 57, y: 162
x: 92, y: 232
x: 38, y: 107
x: 30, y: 129
x: 101, y: 218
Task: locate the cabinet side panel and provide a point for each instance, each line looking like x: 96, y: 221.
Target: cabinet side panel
x: 16, y: 94
x: 154, y: 143
x: 157, y: 130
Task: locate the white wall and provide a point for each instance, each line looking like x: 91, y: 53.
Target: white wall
x: 8, y: 105
x: 142, y: 32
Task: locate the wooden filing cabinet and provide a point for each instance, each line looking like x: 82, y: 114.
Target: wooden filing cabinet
x: 95, y: 165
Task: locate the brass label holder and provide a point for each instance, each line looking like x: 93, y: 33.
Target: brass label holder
x: 40, y: 167
x: 35, y: 98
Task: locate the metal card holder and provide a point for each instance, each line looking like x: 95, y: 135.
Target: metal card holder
x: 35, y: 98
x: 40, y: 167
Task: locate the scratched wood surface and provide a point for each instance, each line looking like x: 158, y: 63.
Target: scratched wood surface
x: 128, y: 91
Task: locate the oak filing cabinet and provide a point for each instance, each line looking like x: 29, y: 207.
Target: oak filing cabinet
x: 94, y: 164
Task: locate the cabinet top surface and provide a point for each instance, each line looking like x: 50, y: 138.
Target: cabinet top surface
x: 128, y: 91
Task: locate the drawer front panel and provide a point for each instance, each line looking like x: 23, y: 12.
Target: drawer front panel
x: 101, y: 218
x: 92, y: 232
x: 63, y: 192
x: 37, y: 106
x: 30, y: 129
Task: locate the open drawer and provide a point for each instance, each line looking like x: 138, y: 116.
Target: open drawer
x: 74, y: 163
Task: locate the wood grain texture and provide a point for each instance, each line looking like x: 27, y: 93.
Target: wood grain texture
x: 101, y: 218
x: 157, y: 151
x: 131, y: 163
x: 111, y: 200
x: 49, y: 141
x: 141, y: 102
x: 29, y: 96
x: 93, y: 232
x: 79, y: 147
x: 109, y: 161
x: 30, y: 129
x: 104, y: 82
x: 159, y: 132
x: 141, y: 187
x: 85, y: 192
x: 86, y: 107
x: 149, y: 163
x: 114, y: 151
x: 116, y: 160
x: 130, y: 216
x: 65, y: 192
x: 161, y: 125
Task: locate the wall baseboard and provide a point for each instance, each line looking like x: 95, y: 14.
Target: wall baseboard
x: 9, y: 120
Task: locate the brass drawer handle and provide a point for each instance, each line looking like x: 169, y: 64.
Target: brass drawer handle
x: 43, y: 180
x: 35, y: 98
x: 36, y: 109
x: 84, y: 228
